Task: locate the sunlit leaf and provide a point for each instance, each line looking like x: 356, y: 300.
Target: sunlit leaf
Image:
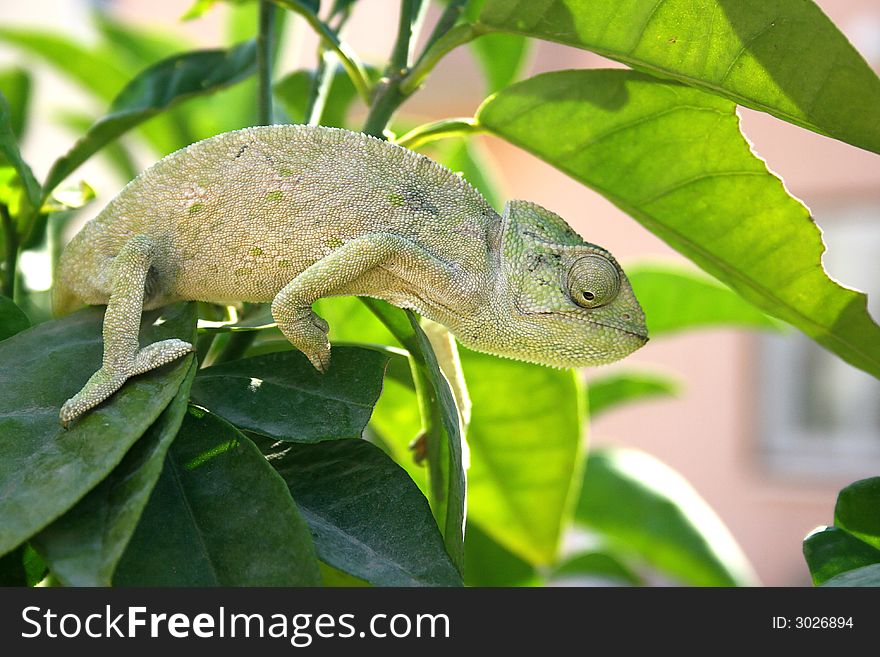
x: 157, y: 88
x: 644, y: 508
x: 784, y: 57
x: 611, y: 390
x: 15, y: 85
x: 501, y: 56
x: 673, y: 158
x: 596, y: 564
x: 831, y: 551
x: 858, y: 510
x: 525, y: 437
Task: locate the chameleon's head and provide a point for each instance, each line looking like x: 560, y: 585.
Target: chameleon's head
x: 561, y: 301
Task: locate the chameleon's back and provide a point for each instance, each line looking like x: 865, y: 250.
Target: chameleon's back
x: 237, y: 216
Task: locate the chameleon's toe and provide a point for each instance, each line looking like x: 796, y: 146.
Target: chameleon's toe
x: 320, y: 359
x: 99, y: 387
x: 160, y: 353
x: 320, y: 323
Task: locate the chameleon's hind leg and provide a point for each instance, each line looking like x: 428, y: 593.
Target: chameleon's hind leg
x: 334, y: 274
x: 123, y: 356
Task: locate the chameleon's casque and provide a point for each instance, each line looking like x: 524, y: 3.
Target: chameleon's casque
x: 290, y: 214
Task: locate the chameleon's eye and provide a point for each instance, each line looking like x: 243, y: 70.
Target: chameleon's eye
x: 593, y: 281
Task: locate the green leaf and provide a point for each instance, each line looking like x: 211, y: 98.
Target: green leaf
x: 367, y: 517
x: 865, y: 576
x: 12, y: 318
x: 10, y: 154
x: 282, y: 396
x: 858, y: 510
x: 596, y: 565
x: 612, y: 390
x: 45, y: 470
x: 334, y: 578
x: 486, y: 563
x: 677, y: 299
x: 830, y: 551
x: 15, y: 85
x: 645, y: 508
x: 293, y: 92
x: 12, y: 572
x: 442, y: 428
x: 94, y: 69
x: 526, y: 443
x: 84, y: 545
x: 501, y: 56
x: 154, y: 90
x: 218, y: 516
x: 674, y: 159
x: 784, y: 57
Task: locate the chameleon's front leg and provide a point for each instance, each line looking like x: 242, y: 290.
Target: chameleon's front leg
x: 123, y: 357
x: 292, y: 306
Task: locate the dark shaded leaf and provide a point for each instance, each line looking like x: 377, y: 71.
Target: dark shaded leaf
x: 12, y: 572
x: 864, y: 576
x: 12, y: 319
x: 526, y: 441
x: 218, y: 516
x: 367, y: 517
x: 643, y: 507
x: 674, y: 159
x: 609, y: 391
x: 282, y: 396
x: 831, y: 551
x: 783, y: 57
x: 156, y: 89
x: 45, y: 470
x: 442, y: 429
x: 84, y: 545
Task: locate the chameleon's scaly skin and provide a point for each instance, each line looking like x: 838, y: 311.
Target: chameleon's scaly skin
x: 290, y: 214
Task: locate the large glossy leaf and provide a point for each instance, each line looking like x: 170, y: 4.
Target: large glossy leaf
x: 831, y: 551
x: 367, y: 517
x: 784, y: 57
x: 442, y: 428
x: 84, y: 545
x: 678, y: 299
x: 612, y: 390
x: 156, y: 89
x: 218, y: 516
x: 282, y: 396
x: 526, y: 441
x: 864, y: 576
x: 673, y: 158
x: 12, y: 319
x: 645, y: 508
x: 44, y: 469
x: 858, y: 510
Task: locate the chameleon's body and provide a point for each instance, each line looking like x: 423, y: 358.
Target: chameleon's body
x: 289, y: 214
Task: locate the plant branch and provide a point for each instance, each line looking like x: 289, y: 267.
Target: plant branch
x: 347, y: 57
x: 445, y: 44
x: 11, y: 255
x: 443, y: 129
x: 265, y: 47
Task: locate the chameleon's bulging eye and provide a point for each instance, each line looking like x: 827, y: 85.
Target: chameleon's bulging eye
x: 593, y: 281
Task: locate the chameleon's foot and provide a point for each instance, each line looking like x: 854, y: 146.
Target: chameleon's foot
x: 108, y: 380
x: 308, y: 333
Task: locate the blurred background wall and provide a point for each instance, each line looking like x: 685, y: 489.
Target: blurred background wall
x: 767, y: 428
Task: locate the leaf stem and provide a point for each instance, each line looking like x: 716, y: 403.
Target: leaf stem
x: 347, y: 57
x: 11, y: 255
x: 443, y: 129
x: 457, y: 36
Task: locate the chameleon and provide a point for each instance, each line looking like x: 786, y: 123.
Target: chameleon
x: 289, y: 214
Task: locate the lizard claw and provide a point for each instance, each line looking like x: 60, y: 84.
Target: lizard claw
x: 320, y: 360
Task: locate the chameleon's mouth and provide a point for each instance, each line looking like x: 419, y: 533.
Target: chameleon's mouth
x: 641, y: 335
